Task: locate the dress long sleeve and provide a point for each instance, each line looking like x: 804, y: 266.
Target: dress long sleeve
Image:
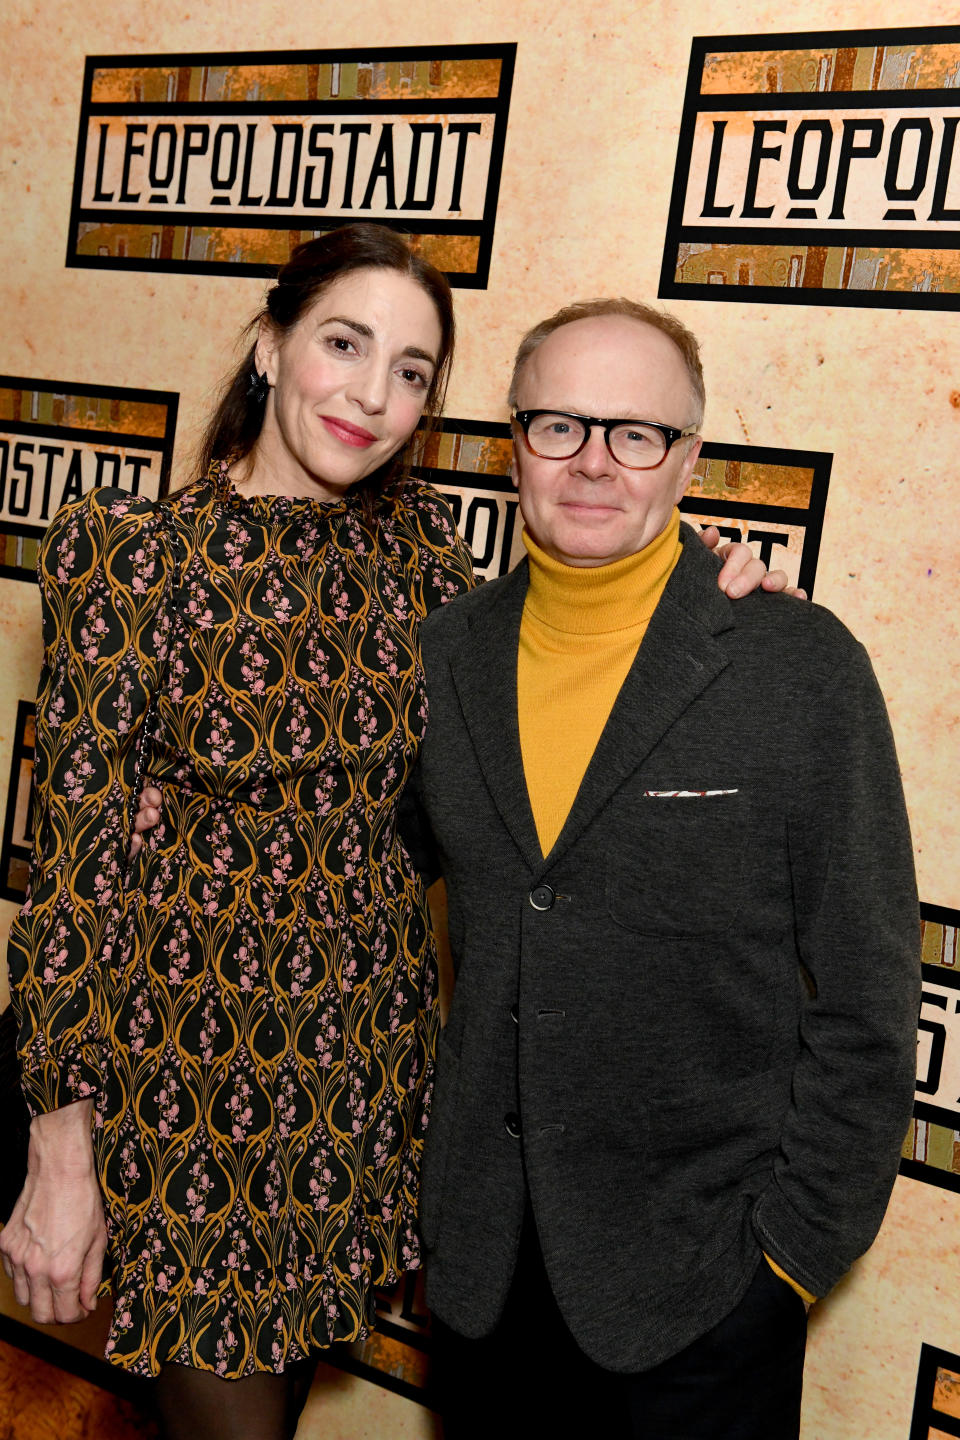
x: 101, y: 573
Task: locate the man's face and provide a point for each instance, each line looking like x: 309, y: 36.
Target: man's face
x: 588, y: 510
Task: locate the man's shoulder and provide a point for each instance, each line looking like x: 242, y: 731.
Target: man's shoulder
x: 803, y: 630
x: 458, y: 615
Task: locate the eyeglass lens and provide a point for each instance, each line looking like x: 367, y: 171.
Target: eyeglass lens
x: 556, y: 437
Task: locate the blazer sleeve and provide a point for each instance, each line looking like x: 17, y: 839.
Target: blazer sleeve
x: 102, y: 573
x: 858, y: 935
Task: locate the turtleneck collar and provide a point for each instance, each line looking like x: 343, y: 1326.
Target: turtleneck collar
x: 595, y: 600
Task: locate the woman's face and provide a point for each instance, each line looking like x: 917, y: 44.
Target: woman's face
x: 347, y: 384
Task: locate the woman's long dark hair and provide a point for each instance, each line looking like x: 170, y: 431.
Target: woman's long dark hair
x: 234, y: 426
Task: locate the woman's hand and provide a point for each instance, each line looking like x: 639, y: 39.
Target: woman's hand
x: 743, y: 571
x: 54, y: 1242
x: 148, y: 815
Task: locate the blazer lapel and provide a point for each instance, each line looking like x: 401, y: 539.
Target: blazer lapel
x: 678, y: 658
x: 485, y: 676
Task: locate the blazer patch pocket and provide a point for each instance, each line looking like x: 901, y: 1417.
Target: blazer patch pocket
x: 676, y: 868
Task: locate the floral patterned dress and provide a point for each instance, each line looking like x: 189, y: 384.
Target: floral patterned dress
x: 252, y: 1005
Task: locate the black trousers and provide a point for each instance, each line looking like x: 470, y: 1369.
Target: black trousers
x: 740, y: 1381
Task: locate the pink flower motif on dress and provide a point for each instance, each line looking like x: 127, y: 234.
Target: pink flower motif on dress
x: 278, y: 601
x: 248, y: 962
x: 241, y: 1111
x: 298, y: 727
x: 218, y: 738
x: 94, y: 629
x: 235, y: 547
x: 253, y: 666
x: 197, y: 1192
x: 278, y: 855
x: 80, y: 772
x: 341, y: 602
x: 209, y: 1030
x: 177, y: 950
x: 198, y: 606
x: 140, y: 1022
x: 168, y: 1104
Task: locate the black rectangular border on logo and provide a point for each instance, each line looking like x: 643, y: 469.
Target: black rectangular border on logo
x: 677, y: 233
x: 925, y: 1418
x: 482, y: 230
x: 810, y: 519
x: 933, y: 1114
x: 9, y: 850
x: 163, y: 444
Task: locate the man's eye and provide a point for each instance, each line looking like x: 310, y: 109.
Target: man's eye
x: 559, y: 427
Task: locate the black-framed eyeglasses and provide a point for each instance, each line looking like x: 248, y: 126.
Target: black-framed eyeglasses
x: 634, y: 444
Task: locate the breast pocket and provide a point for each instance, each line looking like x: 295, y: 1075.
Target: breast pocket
x: 676, y: 865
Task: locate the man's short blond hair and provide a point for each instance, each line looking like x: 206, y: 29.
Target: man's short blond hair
x: 674, y: 329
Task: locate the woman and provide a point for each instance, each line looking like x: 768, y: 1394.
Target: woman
x: 245, y: 1020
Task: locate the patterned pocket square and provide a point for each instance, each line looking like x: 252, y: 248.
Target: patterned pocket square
x: 685, y: 794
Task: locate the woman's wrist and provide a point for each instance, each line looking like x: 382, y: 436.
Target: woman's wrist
x: 62, y: 1138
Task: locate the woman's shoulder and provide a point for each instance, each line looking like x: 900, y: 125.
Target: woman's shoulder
x: 106, y: 526
x: 420, y: 506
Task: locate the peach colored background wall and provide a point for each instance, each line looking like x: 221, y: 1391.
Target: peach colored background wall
x: 584, y: 196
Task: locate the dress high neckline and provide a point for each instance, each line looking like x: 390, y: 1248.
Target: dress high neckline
x: 274, y: 506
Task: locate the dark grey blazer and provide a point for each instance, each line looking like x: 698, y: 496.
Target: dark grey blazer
x: 692, y: 1026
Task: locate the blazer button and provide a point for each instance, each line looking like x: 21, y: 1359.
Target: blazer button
x: 511, y: 1123
x: 542, y: 897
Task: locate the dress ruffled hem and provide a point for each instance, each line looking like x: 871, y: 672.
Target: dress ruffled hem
x: 234, y: 1323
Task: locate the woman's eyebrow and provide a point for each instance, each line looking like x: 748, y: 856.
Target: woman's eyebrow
x: 358, y: 325
x: 367, y: 331
x: 418, y: 354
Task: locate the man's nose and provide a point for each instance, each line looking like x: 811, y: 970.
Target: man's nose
x: 595, y: 460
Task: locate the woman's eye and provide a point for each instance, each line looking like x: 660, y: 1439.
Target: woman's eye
x: 341, y: 343
x: 414, y: 377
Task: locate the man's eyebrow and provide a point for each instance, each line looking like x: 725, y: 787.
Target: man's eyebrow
x: 361, y: 328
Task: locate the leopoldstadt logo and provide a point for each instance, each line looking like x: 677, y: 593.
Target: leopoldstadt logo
x: 59, y: 440
x: 223, y: 163
x: 825, y: 170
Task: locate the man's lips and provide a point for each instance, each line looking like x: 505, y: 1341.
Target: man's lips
x: 589, y: 507
x: 347, y: 433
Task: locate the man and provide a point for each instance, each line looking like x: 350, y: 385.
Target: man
x: 683, y: 920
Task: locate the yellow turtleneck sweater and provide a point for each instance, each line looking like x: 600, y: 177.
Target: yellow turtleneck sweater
x: 579, y: 635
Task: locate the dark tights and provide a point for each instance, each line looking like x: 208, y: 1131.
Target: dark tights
x: 197, y: 1405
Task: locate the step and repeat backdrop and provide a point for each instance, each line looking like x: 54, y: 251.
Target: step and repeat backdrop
x: 791, y: 190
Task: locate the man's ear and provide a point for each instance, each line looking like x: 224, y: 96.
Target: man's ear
x: 516, y: 441
x: 686, y: 469
x: 266, y: 350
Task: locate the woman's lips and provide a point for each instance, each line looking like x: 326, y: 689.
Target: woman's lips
x: 347, y: 433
